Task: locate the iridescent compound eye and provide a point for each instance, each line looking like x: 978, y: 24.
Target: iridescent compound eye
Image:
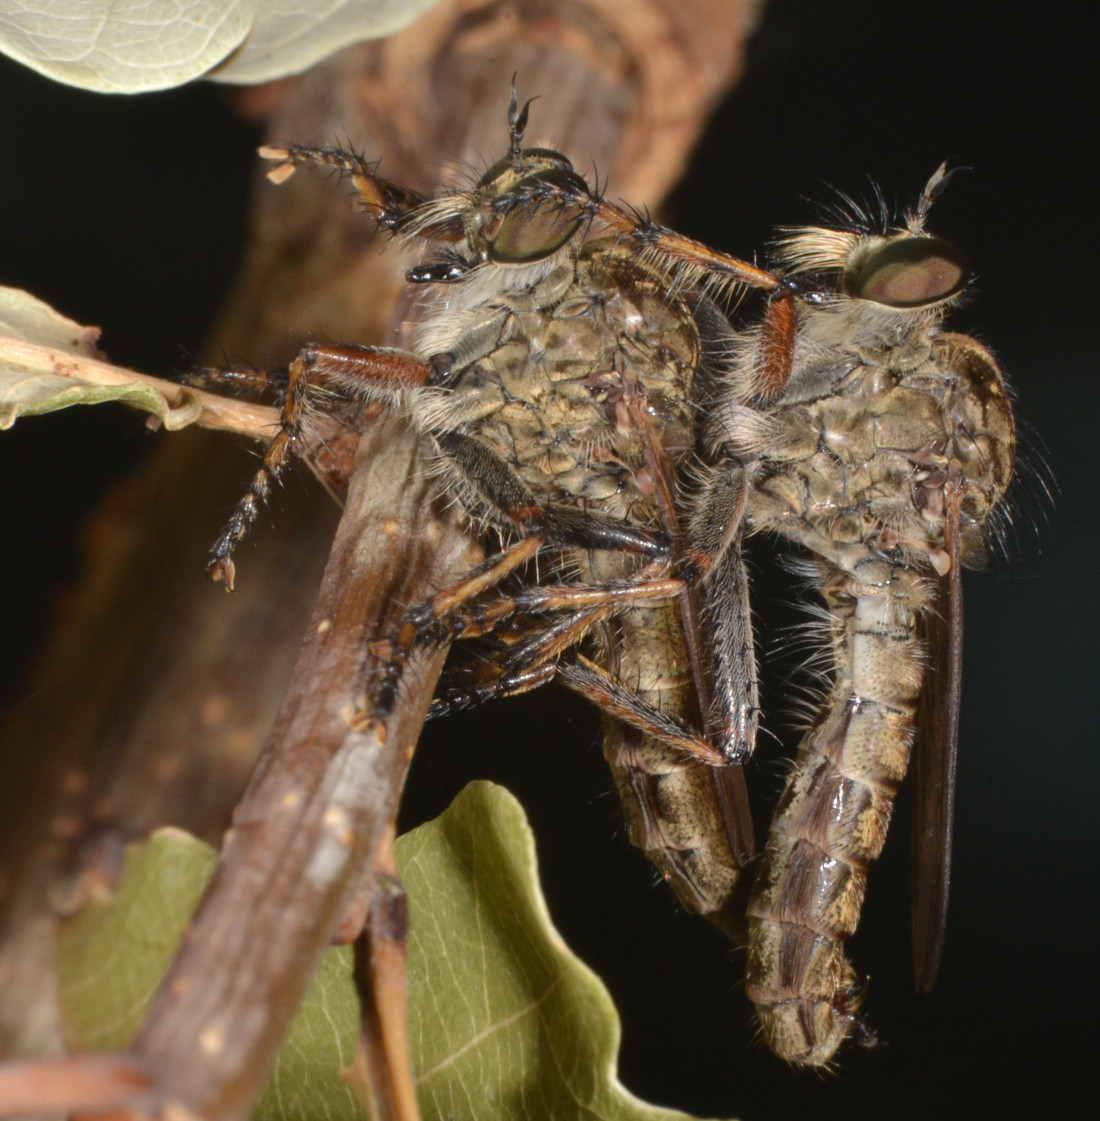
x: 911, y: 272
x: 536, y: 217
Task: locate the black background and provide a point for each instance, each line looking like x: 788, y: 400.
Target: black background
x: 127, y: 213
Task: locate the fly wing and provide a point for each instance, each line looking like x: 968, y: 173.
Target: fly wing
x: 732, y: 796
x: 934, y: 764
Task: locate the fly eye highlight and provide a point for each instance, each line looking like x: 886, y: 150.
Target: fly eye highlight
x: 911, y: 272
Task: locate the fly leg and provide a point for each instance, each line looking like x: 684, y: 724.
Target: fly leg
x: 234, y: 380
x: 717, y: 524
x: 613, y: 696
x: 509, y: 502
x: 550, y: 651
x: 438, y: 619
x: 584, y: 603
x: 351, y: 372
x: 447, y: 615
x: 387, y: 203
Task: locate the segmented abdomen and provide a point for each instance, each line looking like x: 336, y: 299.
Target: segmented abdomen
x: 680, y: 813
x: 832, y: 818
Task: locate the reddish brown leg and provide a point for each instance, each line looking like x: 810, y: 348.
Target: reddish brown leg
x: 449, y: 614
x: 359, y: 373
x: 234, y: 380
x: 431, y: 622
x: 775, y: 359
x: 551, y: 654
x: 699, y: 262
x: 526, y: 665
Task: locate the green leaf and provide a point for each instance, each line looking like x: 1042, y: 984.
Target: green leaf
x: 306, y: 1081
x: 113, y: 953
x: 505, y: 1021
x: 133, y: 46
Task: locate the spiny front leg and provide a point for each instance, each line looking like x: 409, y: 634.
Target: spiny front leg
x: 352, y: 373
x: 714, y: 554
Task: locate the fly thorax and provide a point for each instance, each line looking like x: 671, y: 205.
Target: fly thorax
x: 541, y: 286
x: 906, y: 348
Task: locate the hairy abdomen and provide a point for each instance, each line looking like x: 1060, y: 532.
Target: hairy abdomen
x: 832, y: 818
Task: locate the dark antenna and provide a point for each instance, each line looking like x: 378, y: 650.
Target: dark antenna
x: 517, y: 122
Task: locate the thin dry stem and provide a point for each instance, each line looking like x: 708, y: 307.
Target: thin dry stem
x: 195, y: 406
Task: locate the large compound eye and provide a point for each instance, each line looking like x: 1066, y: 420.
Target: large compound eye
x: 536, y: 217
x: 911, y: 272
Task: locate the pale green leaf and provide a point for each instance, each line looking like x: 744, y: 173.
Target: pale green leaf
x: 123, y: 46
x: 111, y: 955
x: 26, y: 317
x: 505, y: 1022
x: 289, y: 36
x: 133, y: 46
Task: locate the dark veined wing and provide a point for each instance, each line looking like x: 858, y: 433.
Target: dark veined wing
x: 934, y: 762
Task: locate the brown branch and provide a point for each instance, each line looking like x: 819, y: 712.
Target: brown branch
x: 87, y: 1083
x: 322, y: 799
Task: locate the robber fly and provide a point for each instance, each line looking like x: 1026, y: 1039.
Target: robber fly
x: 553, y: 378
x: 882, y: 453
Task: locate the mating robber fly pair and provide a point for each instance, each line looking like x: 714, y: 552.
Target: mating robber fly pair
x: 576, y: 370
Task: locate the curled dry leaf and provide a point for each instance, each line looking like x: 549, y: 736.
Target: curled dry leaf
x: 133, y: 46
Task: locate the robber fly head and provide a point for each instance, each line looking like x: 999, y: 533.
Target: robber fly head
x: 525, y: 208
x: 902, y: 269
